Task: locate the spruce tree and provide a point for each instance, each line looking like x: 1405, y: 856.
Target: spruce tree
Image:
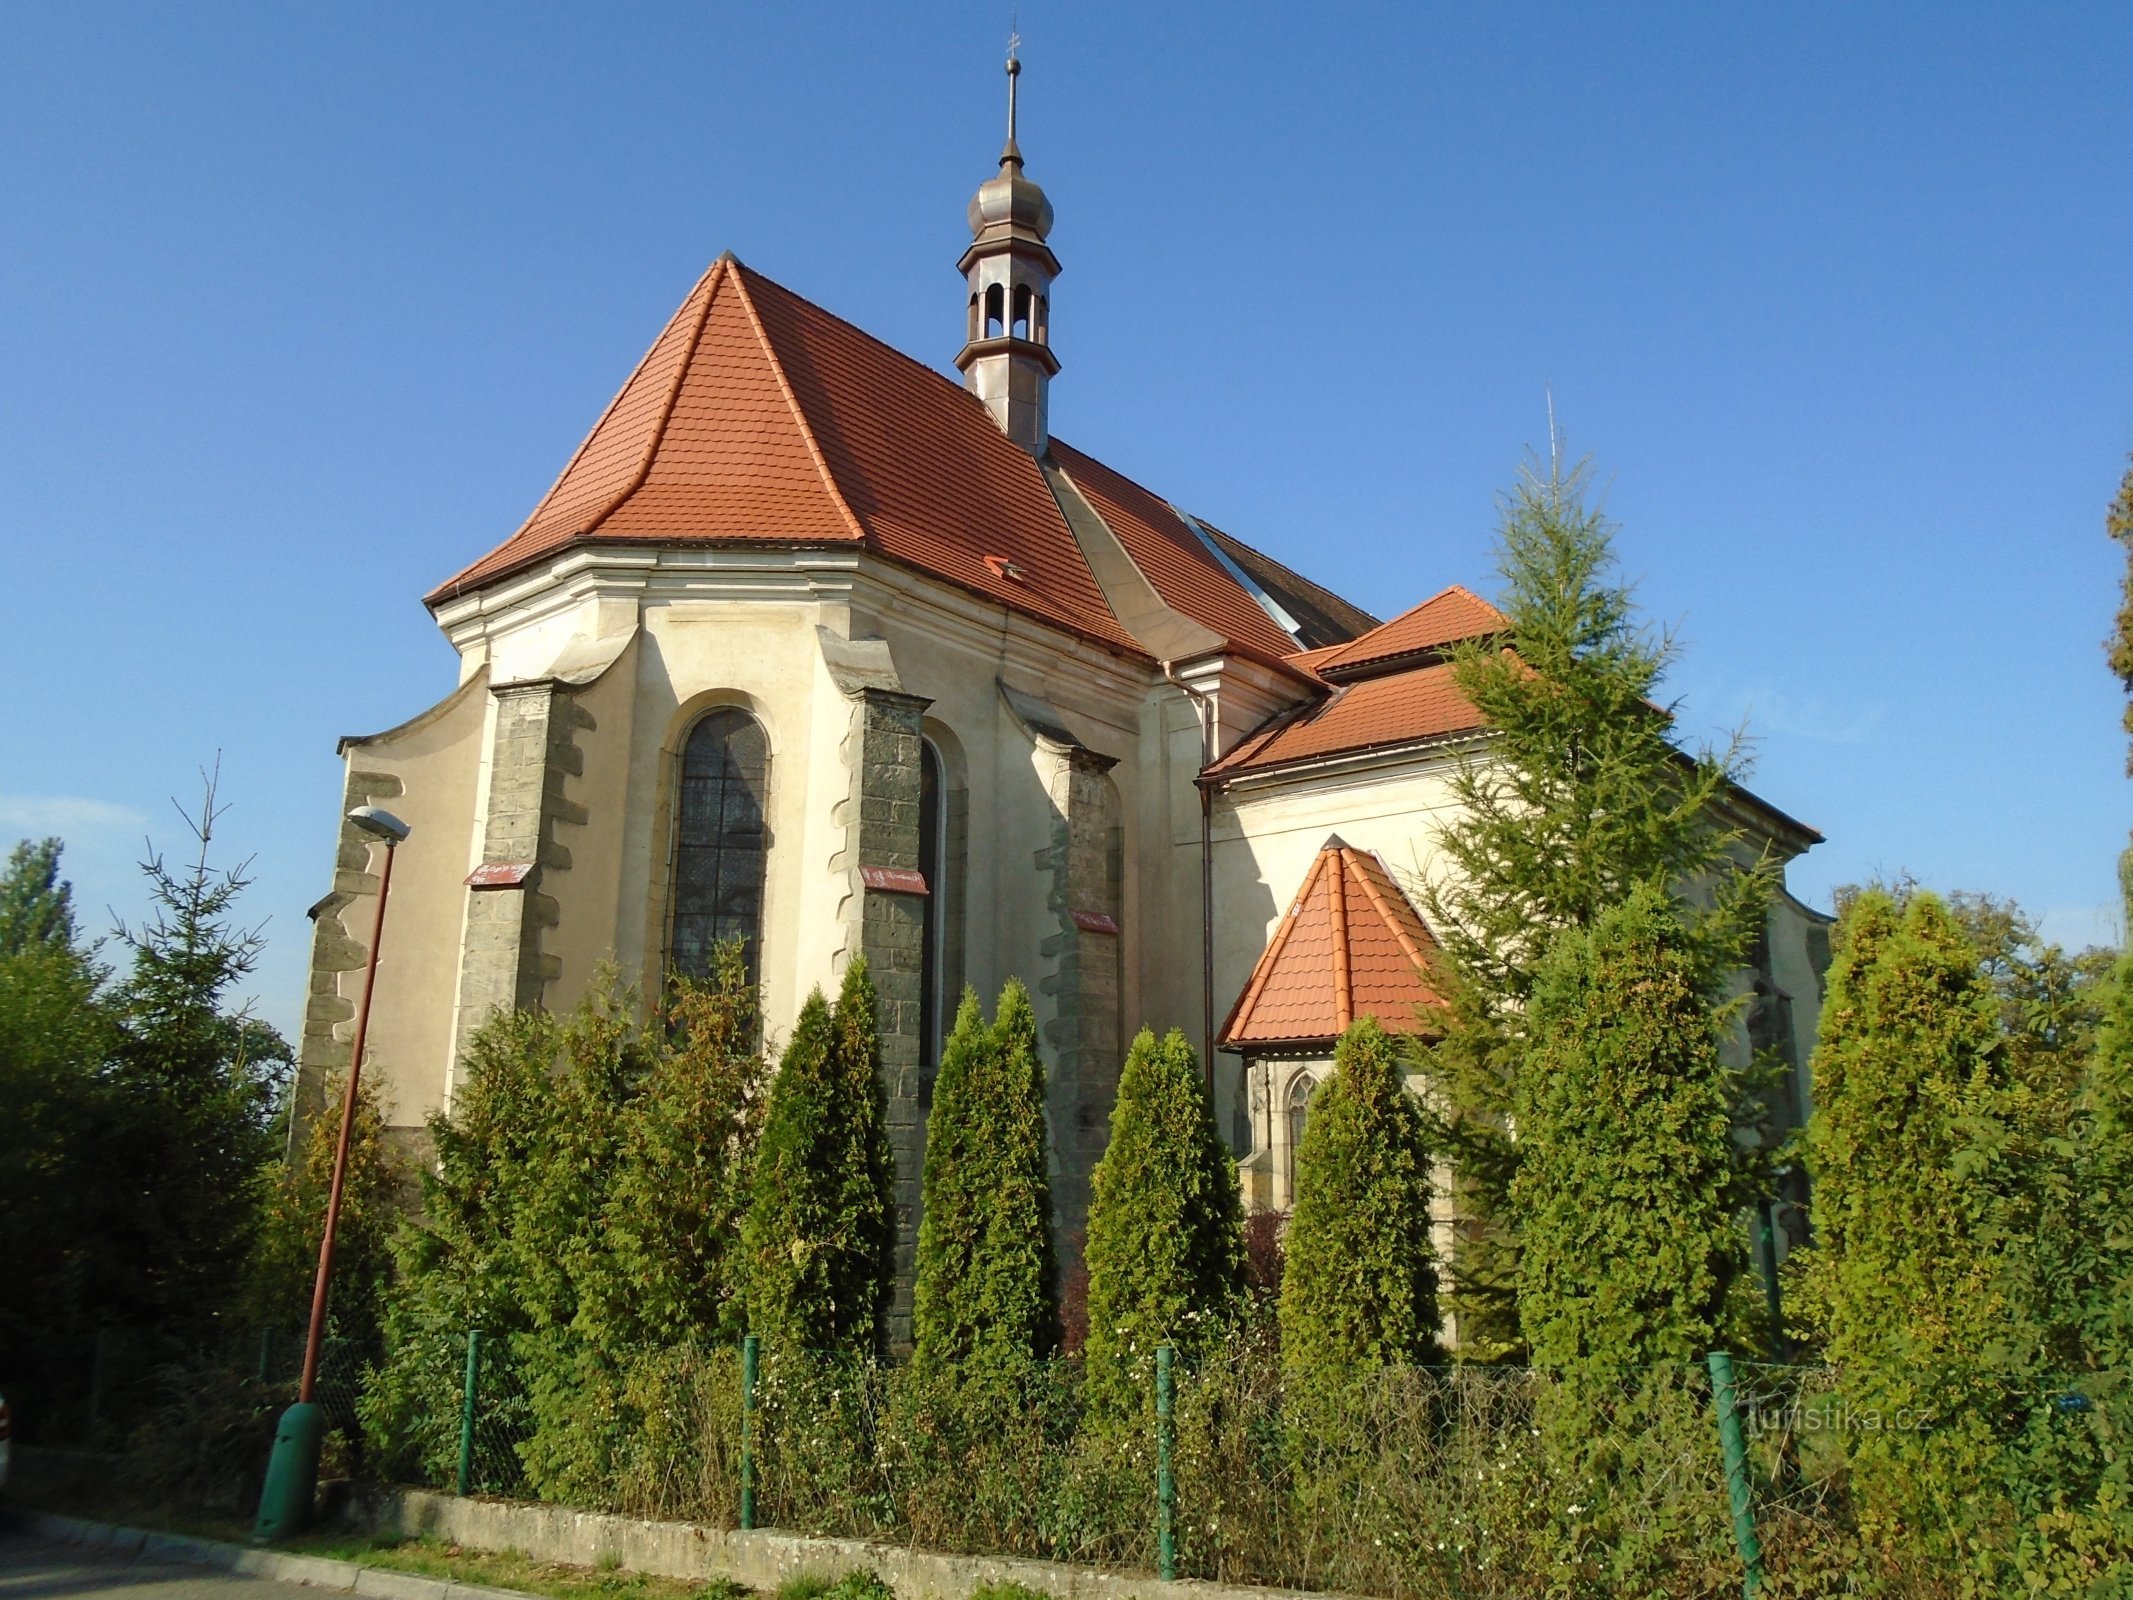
x: 984, y: 1303
x: 1624, y: 1197
x: 1165, y: 1240
x: 1577, y: 795
x: 195, y: 1085
x: 1359, y: 1282
x: 819, y: 1239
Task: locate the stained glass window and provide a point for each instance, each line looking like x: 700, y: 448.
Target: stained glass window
x: 719, y: 842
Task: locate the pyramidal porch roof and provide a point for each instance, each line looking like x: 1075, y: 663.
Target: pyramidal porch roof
x: 757, y: 417
x: 1350, y: 945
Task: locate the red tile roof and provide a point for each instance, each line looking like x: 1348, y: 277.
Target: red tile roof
x: 758, y: 417
x: 1185, y: 572
x: 1399, y: 708
x: 1350, y: 945
x: 1442, y: 620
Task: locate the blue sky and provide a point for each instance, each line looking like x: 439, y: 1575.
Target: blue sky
x: 301, y: 308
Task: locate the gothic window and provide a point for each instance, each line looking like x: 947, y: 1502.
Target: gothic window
x: 1022, y: 311
x: 973, y: 316
x: 932, y: 801
x: 1299, y: 1110
x: 1043, y: 332
x: 995, y: 311
x: 720, y: 841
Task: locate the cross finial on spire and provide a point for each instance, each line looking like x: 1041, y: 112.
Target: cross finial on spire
x: 1014, y: 71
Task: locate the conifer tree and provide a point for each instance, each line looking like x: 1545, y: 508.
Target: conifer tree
x: 294, y: 1189
x: 667, y: 1270
x: 56, y: 1037
x: 819, y: 1237
x: 1165, y: 1240
x: 984, y: 1303
x: 194, y: 1088
x: 1577, y: 795
x: 1359, y: 1282
x: 36, y: 903
x: 1916, y: 1131
x: 1624, y: 1199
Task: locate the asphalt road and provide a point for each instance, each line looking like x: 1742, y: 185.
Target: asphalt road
x: 33, y: 1568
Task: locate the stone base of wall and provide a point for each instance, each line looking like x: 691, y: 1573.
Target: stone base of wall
x: 762, y: 1559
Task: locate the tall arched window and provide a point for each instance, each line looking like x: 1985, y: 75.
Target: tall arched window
x: 1299, y: 1110
x: 720, y: 842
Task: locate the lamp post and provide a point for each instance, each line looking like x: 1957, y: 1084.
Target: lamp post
x: 292, y: 1472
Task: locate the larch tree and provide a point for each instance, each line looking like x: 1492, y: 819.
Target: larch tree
x: 1165, y: 1240
x: 1576, y: 795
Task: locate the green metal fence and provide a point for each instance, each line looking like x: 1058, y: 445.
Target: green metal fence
x: 1712, y: 1478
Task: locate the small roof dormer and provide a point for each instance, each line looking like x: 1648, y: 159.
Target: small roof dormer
x: 1007, y: 359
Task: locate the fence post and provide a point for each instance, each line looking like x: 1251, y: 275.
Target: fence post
x: 1738, y: 1490
x: 1166, y: 1488
x: 750, y: 1349
x: 467, y: 1392
x: 1766, y: 1259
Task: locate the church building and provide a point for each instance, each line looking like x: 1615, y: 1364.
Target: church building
x: 814, y: 647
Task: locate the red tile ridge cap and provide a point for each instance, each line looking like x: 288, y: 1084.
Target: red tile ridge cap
x: 1392, y: 919
x: 799, y: 412
x: 657, y: 434
x: 1343, y: 983
x: 707, y: 283
x: 1269, y: 957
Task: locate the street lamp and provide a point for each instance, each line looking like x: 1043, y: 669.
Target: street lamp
x: 292, y: 1471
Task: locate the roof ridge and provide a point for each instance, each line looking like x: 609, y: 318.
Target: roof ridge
x: 953, y: 385
x: 799, y: 412
x: 658, y: 434
x: 1271, y: 956
x: 705, y: 281
x: 1370, y: 888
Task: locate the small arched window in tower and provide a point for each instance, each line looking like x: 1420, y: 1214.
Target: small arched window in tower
x: 995, y: 311
x: 1021, y: 328
x: 720, y: 843
x: 1042, y: 333
x: 973, y: 317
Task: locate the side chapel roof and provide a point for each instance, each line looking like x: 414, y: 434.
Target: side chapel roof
x: 757, y: 417
x: 1350, y: 945
x: 1390, y: 686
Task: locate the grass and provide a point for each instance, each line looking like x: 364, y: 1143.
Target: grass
x: 855, y: 1585
x: 432, y: 1558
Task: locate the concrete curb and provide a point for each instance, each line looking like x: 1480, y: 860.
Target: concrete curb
x: 315, y: 1572
x: 761, y: 1560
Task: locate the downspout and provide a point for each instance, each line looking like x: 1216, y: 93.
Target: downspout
x: 1204, y: 714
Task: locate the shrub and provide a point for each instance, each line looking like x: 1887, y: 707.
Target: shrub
x: 1625, y: 1113
x: 983, y: 1302
x: 819, y: 1236
x: 1165, y: 1237
x: 1359, y: 1285
x: 1918, y: 1149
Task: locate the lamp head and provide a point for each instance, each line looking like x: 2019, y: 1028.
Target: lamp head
x: 379, y: 824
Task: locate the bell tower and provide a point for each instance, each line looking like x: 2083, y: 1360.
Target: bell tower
x: 1007, y: 359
